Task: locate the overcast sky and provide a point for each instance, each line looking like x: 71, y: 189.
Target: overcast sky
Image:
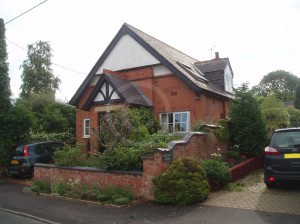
x: 258, y: 36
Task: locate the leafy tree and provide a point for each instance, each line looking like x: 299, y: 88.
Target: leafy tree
x: 271, y: 101
x: 248, y: 129
x: 297, y: 98
x: 5, y: 92
x: 37, y: 74
x: 294, y: 117
x: 37, y: 102
x: 58, y: 117
x: 18, y: 124
x: 275, y: 114
x: 276, y: 118
x: 282, y: 83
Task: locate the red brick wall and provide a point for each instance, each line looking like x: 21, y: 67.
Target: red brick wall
x: 168, y: 94
x: 193, y: 145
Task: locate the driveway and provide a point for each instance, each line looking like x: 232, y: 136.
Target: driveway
x: 224, y: 207
x: 255, y: 196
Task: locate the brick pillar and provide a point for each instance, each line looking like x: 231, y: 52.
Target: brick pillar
x: 152, y: 166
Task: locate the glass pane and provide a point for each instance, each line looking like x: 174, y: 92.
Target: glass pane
x: 183, y: 127
x: 170, y: 118
x: 164, y: 118
x: 184, y: 117
x: 177, y: 117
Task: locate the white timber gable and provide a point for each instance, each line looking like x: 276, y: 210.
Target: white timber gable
x: 228, y: 79
x: 127, y: 53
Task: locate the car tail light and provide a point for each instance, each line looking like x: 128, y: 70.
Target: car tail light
x: 271, y: 179
x: 25, y: 151
x: 271, y: 151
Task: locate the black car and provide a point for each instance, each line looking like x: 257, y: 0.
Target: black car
x: 25, y: 156
x: 282, y: 157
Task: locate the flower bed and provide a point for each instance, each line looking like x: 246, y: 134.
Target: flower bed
x: 73, y: 189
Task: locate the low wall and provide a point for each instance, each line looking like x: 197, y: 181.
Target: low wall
x: 194, y: 144
x: 243, y: 169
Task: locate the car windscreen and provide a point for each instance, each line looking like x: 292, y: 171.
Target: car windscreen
x: 285, y: 139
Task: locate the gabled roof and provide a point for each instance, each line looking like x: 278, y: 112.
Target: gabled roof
x: 218, y: 64
x: 126, y: 91
x: 170, y: 57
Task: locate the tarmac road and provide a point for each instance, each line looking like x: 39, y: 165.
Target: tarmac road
x: 73, y: 212
x: 11, y: 218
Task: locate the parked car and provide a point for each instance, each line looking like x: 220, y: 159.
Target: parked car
x: 25, y: 156
x: 282, y: 157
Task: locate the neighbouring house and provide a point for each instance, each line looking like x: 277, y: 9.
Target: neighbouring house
x: 137, y: 69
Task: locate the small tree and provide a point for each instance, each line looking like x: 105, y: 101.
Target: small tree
x: 37, y: 74
x: 5, y: 92
x: 248, y: 129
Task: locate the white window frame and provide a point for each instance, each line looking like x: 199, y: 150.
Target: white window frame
x: 85, y: 128
x: 173, y: 123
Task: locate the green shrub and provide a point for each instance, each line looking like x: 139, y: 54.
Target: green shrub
x: 184, y: 182
x: 40, y: 186
x: 60, y: 188
x: 217, y: 172
x: 115, y: 194
x: 70, y: 156
x: 122, y: 201
x: 139, y: 133
x: 122, y: 158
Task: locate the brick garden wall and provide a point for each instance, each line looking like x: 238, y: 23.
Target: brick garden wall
x: 192, y: 145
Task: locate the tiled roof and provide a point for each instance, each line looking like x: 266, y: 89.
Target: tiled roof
x: 130, y: 92
x: 174, y: 56
x: 176, y: 61
x: 212, y: 65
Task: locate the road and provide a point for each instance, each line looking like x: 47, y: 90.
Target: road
x: 10, y: 218
x: 74, y: 212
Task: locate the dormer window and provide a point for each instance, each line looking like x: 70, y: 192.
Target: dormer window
x: 196, y: 73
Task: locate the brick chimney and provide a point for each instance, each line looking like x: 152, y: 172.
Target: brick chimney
x: 217, y: 55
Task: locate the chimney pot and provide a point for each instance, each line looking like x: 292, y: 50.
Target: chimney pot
x: 217, y: 55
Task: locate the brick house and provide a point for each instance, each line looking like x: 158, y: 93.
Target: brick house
x: 137, y: 69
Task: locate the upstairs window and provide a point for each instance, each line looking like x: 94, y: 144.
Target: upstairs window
x: 175, y: 121
x: 86, y: 128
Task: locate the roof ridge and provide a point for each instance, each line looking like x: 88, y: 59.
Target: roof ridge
x: 212, y: 60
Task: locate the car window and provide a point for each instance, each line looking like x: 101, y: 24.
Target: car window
x: 31, y: 150
x: 19, y: 151
x: 41, y: 149
x: 287, y: 139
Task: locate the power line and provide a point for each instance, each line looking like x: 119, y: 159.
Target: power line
x: 25, y: 12
x: 52, y: 62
